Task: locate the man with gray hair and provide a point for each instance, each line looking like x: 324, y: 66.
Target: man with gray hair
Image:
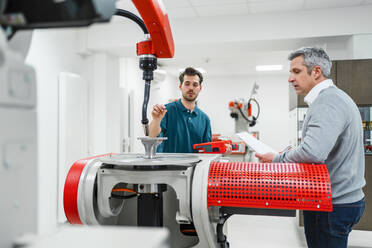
x: 332, y: 134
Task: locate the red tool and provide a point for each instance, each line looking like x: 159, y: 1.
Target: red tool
x: 212, y: 147
x: 216, y: 137
x: 238, y: 148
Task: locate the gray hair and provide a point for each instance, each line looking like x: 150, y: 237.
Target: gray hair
x: 314, y: 56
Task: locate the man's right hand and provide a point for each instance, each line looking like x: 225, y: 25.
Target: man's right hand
x: 158, y: 112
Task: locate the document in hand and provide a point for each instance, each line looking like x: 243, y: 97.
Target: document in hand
x: 255, y: 144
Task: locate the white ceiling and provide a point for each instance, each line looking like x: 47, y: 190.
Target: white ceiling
x: 178, y: 9
x: 224, y: 58
x: 204, y: 8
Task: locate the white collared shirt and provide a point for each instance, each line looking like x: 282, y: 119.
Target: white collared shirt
x: 314, y: 92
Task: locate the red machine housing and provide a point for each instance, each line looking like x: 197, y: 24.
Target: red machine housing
x: 70, y: 191
x: 270, y: 185
x: 235, y: 184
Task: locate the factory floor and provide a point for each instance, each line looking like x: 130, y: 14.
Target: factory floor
x: 245, y: 231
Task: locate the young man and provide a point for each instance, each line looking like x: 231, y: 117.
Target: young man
x: 182, y: 121
x: 332, y: 134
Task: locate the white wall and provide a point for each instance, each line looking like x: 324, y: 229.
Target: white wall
x: 273, y: 122
x: 102, y: 72
x: 361, y: 46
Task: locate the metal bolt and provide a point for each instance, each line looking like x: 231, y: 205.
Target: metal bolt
x: 318, y: 206
x: 267, y: 204
x: 219, y: 201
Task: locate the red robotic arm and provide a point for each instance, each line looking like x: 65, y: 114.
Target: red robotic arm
x: 158, y: 43
x: 156, y: 20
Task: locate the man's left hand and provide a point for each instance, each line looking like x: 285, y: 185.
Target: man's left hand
x: 265, y: 158
x: 228, y: 149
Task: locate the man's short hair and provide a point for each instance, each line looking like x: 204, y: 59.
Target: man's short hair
x: 314, y: 56
x: 189, y: 71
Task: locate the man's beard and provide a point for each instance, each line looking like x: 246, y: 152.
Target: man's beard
x: 189, y: 99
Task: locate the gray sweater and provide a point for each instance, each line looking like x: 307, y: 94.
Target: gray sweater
x: 332, y: 134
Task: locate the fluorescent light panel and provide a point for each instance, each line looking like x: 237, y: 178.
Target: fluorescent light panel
x: 269, y: 67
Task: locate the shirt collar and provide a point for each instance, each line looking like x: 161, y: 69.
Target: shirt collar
x: 314, y: 92
x: 184, y: 109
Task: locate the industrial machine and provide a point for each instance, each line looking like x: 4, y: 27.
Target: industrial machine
x: 241, y: 111
x: 245, y: 117
x: 190, y: 194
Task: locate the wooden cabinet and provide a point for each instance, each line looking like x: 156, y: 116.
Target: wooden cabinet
x: 355, y: 78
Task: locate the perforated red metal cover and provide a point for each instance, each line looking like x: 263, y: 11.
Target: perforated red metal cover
x: 269, y: 185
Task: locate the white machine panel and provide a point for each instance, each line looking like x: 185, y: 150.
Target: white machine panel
x: 18, y: 173
x: 18, y: 147
x: 18, y: 81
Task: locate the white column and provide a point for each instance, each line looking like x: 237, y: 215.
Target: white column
x: 104, y: 105
x: 361, y: 46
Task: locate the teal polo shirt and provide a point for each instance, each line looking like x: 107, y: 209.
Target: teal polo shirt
x: 183, y: 128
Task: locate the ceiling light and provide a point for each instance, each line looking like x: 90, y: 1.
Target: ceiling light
x: 269, y: 67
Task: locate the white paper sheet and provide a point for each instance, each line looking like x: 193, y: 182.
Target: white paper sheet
x: 257, y: 145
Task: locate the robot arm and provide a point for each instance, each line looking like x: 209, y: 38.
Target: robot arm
x: 158, y: 43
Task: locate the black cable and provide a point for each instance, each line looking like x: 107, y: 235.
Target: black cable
x: 11, y: 35
x: 241, y: 112
x: 133, y: 17
x: 146, y: 97
x: 258, y: 106
x: 9, y: 31
x: 254, y: 118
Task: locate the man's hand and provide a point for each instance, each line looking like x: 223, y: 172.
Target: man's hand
x: 228, y: 149
x: 158, y: 112
x: 265, y: 158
